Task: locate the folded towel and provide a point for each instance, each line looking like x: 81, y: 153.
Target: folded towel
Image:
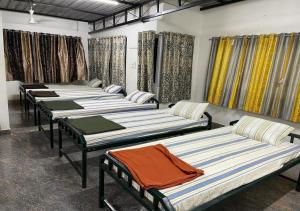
x: 34, y: 86
x: 43, y: 93
x: 61, y: 105
x: 155, y: 167
x: 94, y: 124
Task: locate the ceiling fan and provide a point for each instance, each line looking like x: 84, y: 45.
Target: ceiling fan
x: 31, y: 12
x: 33, y: 19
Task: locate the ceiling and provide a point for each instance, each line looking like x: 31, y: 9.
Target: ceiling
x: 84, y: 10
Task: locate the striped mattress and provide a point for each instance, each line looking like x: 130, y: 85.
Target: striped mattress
x: 228, y: 160
x: 70, y: 94
x: 100, y: 106
x: 141, y: 124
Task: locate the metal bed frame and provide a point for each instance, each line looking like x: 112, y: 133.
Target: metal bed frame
x: 42, y: 109
x: 107, y: 163
x: 79, y: 141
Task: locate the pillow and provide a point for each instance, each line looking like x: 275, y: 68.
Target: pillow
x: 139, y: 96
x: 189, y: 110
x: 262, y: 130
x: 113, y: 89
x: 94, y: 83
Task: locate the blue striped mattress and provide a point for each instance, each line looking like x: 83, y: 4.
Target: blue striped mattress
x: 228, y: 160
x: 100, y: 105
x: 140, y: 124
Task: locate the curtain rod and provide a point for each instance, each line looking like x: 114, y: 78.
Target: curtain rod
x: 249, y: 36
x: 41, y: 33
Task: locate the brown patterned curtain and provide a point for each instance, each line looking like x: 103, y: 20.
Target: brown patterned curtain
x: 45, y: 58
x: 9, y: 75
x: 14, y: 55
x: 80, y: 61
x: 176, y: 71
x: 146, y: 45
x: 104, y: 52
x: 118, y: 61
x: 39, y: 73
x: 63, y: 59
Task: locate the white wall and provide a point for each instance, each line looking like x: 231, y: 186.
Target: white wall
x: 19, y: 21
x: 4, y: 118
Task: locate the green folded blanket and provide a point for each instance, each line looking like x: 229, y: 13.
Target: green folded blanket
x: 61, y: 105
x: 34, y: 86
x: 94, y: 124
x: 43, y: 93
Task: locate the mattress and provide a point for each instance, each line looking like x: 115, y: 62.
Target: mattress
x: 68, y: 87
x: 99, y: 106
x: 77, y: 94
x: 140, y: 124
x: 228, y: 160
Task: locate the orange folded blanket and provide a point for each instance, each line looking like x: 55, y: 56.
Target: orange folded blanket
x: 155, y: 167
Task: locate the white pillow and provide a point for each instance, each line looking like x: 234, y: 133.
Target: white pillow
x: 189, y: 110
x: 139, y: 96
x: 262, y: 130
x: 113, y: 89
x: 94, y: 83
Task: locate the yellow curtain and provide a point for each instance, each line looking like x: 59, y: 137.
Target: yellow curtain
x: 275, y: 111
x: 296, y: 111
x: 220, y: 70
x: 236, y: 83
x: 260, y: 72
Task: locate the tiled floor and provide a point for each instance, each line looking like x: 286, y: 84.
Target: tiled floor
x: 33, y: 177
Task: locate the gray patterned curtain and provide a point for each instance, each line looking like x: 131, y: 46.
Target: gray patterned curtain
x: 146, y: 45
x: 93, y: 59
x: 176, y: 67
x: 118, y: 61
x: 104, y: 53
x: 107, y: 58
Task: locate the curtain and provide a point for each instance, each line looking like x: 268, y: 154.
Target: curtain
x: 104, y: 53
x: 44, y: 58
x: 71, y: 46
x: 107, y: 60
x: 80, y: 62
x: 93, y: 59
x: 9, y: 75
x: 118, y: 61
x: 63, y: 59
x: 27, y: 56
x: 257, y: 74
x: 39, y: 76
x: 177, y: 61
x: 14, y: 56
x: 146, y: 44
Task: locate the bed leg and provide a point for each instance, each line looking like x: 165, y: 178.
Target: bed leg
x: 59, y: 141
x: 83, y: 169
x: 51, y: 133
x: 101, y: 184
x: 34, y: 110
x: 20, y: 93
x: 298, y: 184
x: 39, y: 120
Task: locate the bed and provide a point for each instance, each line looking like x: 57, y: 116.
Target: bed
x: 67, y: 94
x: 231, y: 163
x: 91, y: 106
x: 140, y: 126
x: 23, y: 89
